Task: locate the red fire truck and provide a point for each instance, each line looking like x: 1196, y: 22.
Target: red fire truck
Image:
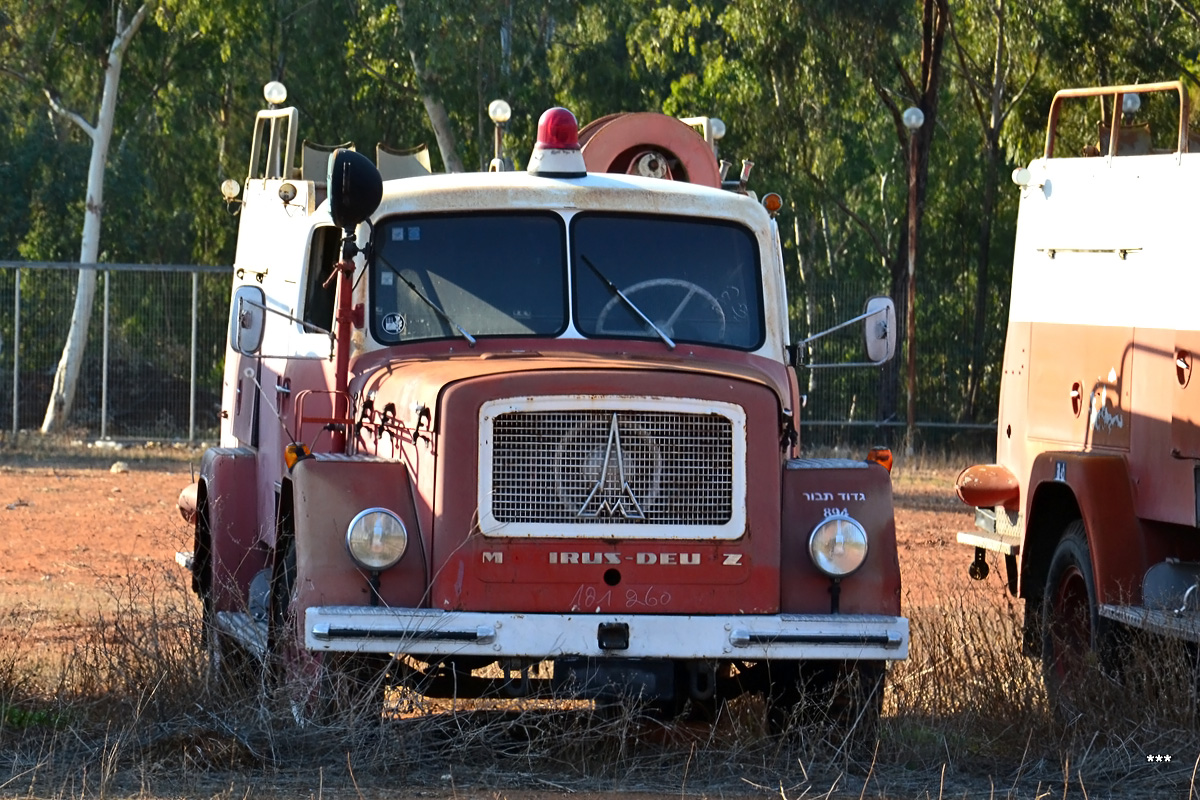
x: 1094, y: 502
x: 520, y: 432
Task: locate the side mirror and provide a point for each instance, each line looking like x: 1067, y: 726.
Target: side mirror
x: 247, y: 320
x: 879, y: 329
x: 355, y: 188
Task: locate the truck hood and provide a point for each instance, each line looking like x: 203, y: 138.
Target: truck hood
x: 414, y: 385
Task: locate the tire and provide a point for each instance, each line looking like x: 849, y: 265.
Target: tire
x: 841, y: 701
x: 1075, y: 639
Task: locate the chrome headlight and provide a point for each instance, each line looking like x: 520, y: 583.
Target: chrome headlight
x: 838, y: 546
x: 376, y: 539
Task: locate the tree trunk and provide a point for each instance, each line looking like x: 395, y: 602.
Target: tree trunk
x: 435, y: 109
x: 443, y: 131
x: 982, y: 277
x: 62, y: 394
x: 923, y: 91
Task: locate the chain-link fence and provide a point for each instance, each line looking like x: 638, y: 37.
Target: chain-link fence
x: 154, y: 356
x: 861, y: 406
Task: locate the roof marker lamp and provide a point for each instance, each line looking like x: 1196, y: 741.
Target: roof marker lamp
x: 1131, y: 104
x: 294, y: 453
x: 772, y: 202
x: 275, y: 93
x: 500, y: 113
x: 881, y: 456
x: 557, y: 153
x: 376, y: 539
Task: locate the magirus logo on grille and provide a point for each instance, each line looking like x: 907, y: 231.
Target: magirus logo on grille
x: 611, y: 495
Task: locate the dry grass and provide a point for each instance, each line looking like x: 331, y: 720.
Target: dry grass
x: 128, y: 712
x: 125, y: 710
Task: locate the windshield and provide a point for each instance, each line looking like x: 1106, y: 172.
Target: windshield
x: 695, y: 280
x: 485, y: 274
x: 480, y: 274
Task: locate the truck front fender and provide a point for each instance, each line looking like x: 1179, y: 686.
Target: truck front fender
x: 1097, y: 488
x: 813, y: 489
x: 328, y: 491
x: 227, y: 554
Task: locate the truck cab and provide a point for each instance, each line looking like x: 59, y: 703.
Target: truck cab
x: 1094, y: 501
x: 519, y: 432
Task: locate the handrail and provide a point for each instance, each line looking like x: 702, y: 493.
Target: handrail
x: 1119, y: 91
x: 279, y: 165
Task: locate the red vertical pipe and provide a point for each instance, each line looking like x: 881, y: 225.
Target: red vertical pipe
x: 341, y: 364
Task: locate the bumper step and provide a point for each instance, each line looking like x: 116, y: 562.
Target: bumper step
x: 514, y: 635
x: 1165, y: 623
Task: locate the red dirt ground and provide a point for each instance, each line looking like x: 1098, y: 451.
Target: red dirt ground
x: 70, y: 536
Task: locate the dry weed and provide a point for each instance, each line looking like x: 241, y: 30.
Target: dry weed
x: 128, y: 711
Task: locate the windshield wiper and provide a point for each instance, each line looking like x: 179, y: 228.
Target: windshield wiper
x: 462, y: 331
x: 632, y: 306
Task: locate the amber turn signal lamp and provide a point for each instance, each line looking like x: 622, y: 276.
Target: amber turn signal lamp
x: 294, y: 452
x: 772, y: 202
x: 881, y: 456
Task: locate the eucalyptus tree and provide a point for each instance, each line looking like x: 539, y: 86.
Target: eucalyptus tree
x: 815, y: 94
x: 995, y: 76
x: 45, y: 56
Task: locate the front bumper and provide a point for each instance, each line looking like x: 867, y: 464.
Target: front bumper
x: 421, y: 632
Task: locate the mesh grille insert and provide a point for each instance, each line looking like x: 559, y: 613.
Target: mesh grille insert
x: 605, y: 466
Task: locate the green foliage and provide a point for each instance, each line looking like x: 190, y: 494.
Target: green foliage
x: 801, y: 87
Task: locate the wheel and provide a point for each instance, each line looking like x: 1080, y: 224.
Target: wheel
x: 321, y: 688
x: 841, y: 700
x: 1074, y: 636
x: 666, y: 325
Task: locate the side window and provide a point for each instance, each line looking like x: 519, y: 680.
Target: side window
x: 322, y: 255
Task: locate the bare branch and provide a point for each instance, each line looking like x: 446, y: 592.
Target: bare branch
x: 893, y: 109
x: 1016, y: 98
x: 849, y: 212
x: 21, y: 76
x: 125, y: 32
x: 1187, y: 10
x: 968, y: 68
x: 910, y: 85
x: 67, y: 114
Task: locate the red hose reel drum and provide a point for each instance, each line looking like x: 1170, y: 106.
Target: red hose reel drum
x: 646, y: 143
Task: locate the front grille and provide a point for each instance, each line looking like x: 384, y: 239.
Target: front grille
x: 595, y: 466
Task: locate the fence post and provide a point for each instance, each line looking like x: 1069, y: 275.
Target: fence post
x: 104, y: 363
x: 16, y: 351
x: 192, y: 397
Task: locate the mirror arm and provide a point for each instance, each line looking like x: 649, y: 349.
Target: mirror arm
x: 846, y: 364
x: 837, y: 327
x: 308, y: 326
x: 795, y: 348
